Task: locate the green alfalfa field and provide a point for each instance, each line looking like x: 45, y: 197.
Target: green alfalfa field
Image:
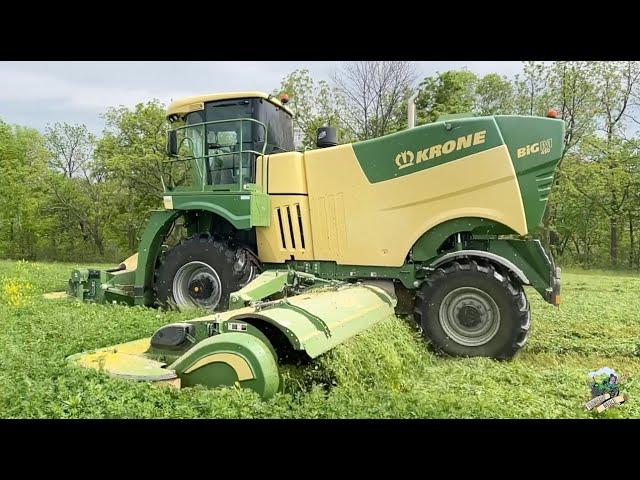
x: 385, y: 372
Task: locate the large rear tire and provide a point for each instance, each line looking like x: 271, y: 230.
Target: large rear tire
x: 201, y: 272
x: 471, y: 309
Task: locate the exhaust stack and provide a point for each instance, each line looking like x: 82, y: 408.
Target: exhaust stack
x: 411, y: 110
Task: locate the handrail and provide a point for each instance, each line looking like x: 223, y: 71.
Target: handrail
x: 241, y: 151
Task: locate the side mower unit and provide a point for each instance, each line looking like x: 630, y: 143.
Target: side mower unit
x: 244, y: 346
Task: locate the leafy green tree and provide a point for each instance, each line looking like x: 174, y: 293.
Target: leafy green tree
x: 494, y: 95
x: 451, y: 92
x: 77, y: 186
x: 71, y: 150
x: 83, y: 201
x: 71, y: 147
x: 532, y: 94
x: 132, y: 155
x: 572, y: 92
x: 314, y: 104
x: 606, y: 176
x: 23, y: 166
x: 577, y: 225
x: 617, y: 83
x: 133, y: 147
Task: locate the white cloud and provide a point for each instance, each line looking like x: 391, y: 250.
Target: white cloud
x: 37, y: 93
x: 30, y: 87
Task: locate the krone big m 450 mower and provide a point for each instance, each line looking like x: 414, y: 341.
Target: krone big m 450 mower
x: 292, y: 253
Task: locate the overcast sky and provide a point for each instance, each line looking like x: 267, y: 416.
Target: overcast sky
x: 39, y: 93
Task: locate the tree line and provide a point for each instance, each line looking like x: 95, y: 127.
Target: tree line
x: 67, y: 194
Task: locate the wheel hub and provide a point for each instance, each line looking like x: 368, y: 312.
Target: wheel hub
x: 469, y: 316
x: 197, y: 284
x: 201, y: 288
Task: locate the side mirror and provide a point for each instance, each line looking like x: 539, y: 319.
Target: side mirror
x: 172, y: 143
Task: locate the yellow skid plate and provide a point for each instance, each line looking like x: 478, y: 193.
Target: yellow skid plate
x: 127, y: 361
x: 55, y: 295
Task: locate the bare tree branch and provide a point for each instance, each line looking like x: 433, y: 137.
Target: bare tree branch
x: 373, y: 93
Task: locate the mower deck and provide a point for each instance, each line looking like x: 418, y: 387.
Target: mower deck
x: 243, y: 346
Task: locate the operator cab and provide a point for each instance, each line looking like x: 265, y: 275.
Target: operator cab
x: 215, y: 139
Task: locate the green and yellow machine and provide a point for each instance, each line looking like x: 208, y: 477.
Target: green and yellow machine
x: 291, y: 253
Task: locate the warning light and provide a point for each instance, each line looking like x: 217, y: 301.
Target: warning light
x: 284, y: 98
x: 552, y: 113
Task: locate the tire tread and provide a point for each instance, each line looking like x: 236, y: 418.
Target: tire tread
x: 507, y: 281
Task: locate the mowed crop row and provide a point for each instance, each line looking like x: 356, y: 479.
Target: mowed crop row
x: 387, y: 371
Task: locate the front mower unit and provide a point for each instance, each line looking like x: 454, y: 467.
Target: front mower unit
x: 99, y: 286
x: 243, y: 347
x: 105, y: 286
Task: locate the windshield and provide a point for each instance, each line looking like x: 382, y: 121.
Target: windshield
x: 219, y: 153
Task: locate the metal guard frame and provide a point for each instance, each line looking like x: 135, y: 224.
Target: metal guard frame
x: 242, y: 150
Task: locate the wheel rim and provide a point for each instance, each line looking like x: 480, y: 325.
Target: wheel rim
x: 196, y: 284
x: 252, y: 272
x: 469, y: 316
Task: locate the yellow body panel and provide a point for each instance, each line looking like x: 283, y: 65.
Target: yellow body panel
x: 290, y: 212
x: 55, y: 295
x: 287, y: 174
x: 194, y: 103
x: 261, y: 168
x: 354, y: 222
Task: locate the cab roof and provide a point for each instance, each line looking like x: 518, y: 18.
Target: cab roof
x: 195, y: 103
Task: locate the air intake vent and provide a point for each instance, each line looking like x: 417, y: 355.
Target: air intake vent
x: 293, y: 237
x: 290, y: 223
x: 544, y: 182
x: 300, y: 224
x: 284, y: 243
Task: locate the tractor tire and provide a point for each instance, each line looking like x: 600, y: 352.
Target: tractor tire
x: 201, y: 272
x: 471, y: 309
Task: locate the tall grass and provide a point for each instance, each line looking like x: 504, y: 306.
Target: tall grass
x: 386, y: 372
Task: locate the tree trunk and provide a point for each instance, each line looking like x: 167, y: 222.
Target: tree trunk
x: 100, y: 245
x: 562, y: 246
x: 83, y: 229
x: 614, y: 241
x: 577, y: 247
x: 131, y: 237
x: 72, y: 237
x: 632, y: 242
x: 11, y: 240
x: 98, y: 239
